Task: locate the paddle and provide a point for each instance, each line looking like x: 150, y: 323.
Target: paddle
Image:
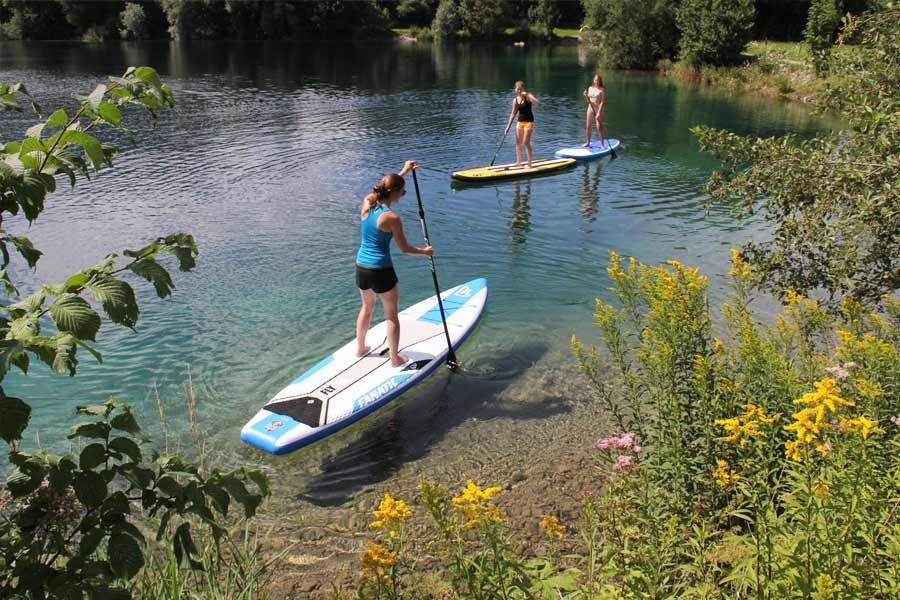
x: 497, y: 151
x: 452, y: 363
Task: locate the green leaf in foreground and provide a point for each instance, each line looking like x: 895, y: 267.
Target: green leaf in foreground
x: 74, y: 315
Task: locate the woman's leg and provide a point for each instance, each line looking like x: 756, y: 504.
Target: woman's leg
x: 519, y: 146
x: 363, y: 320
x: 588, y: 125
x: 527, y: 141
x: 390, y: 300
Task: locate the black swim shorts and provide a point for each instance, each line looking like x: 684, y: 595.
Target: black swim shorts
x: 380, y: 280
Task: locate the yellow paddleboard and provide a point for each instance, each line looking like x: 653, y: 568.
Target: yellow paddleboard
x: 511, y: 170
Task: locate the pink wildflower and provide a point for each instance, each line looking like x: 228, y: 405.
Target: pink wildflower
x: 896, y: 421
x: 637, y: 449
x: 626, y: 440
x: 851, y: 365
x: 838, y: 372
x: 605, y: 443
x: 624, y: 462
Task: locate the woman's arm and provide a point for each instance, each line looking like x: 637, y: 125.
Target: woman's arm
x: 392, y: 223
x: 407, y: 167
x: 533, y: 99
x: 512, y: 115
x: 366, y: 205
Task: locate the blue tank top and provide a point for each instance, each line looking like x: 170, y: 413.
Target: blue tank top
x: 375, y: 244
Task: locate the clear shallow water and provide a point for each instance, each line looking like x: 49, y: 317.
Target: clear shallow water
x: 265, y: 163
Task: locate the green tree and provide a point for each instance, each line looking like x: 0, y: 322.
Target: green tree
x: 482, y: 18
x: 24, y: 20
x: 822, y: 24
x: 714, y: 31
x: 133, y: 22
x: 98, y: 19
x: 834, y: 200
x: 633, y: 34
x: 416, y: 12
x: 68, y: 525
x: 196, y: 19
x: 446, y: 20
x: 544, y: 15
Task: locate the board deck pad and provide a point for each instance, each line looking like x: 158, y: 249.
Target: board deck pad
x: 595, y: 150
x: 342, y: 388
x: 512, y: 170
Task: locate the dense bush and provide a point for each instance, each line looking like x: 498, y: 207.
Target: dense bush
x: 822, y: 26
x: 634, y: 34
x: 763, y: 464
x: 72, y: 525
x: 133, y: 21
x: 416, y: 12
x: 714, y: 31
x: 446, y: 21
x: 832, y: 200
x: 482, y: 19
x: 543, y: 16
x: 24, y: 20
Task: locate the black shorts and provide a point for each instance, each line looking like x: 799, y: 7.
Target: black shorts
x: 380, y: 280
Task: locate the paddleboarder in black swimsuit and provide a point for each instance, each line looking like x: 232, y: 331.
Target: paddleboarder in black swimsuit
x: 522, y: 104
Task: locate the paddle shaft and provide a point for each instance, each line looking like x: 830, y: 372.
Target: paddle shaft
x: 594, y: 112
x: 497, y: 151
x: 452, y: 363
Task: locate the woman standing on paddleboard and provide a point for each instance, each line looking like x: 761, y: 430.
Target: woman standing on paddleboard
x: 522, y: 104
x: 374, y: 269
x: 595, y: 95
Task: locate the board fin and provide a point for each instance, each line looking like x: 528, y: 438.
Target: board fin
x: 306, y: 409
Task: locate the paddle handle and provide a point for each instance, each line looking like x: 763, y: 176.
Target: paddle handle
x: 452, y: 363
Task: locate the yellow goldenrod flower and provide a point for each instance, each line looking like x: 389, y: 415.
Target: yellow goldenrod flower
x: 824, y: 395
x: 723, y: 474
x: 476, y: 506
x: 551, y: 526
x: 861, y: 425
x: 376, y: 558
x: 809, y: 423
x: 745, y: 427
x: 867, y: 389
x: 390, y: 515
x: 739, y: 268
x: 820, y: 488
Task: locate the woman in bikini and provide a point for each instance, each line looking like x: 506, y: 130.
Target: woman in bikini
x: 375, y: 276
x: 595, y: 95
x: 522, y: 104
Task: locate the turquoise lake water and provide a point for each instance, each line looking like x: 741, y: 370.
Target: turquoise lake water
x: 265, y: 162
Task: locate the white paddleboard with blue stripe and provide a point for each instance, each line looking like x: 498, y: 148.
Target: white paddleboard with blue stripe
x: 595, y: 150
x: 342, y: 388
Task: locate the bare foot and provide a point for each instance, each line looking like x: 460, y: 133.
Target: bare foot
x: 365, y: 350
x: 402, y: 359
x: 586, y: 144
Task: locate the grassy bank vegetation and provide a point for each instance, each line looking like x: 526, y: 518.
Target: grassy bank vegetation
x: 770, y: 68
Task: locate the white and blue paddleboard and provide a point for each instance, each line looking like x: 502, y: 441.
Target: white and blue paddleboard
x: 342, y: 388
x: 595, y: 150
